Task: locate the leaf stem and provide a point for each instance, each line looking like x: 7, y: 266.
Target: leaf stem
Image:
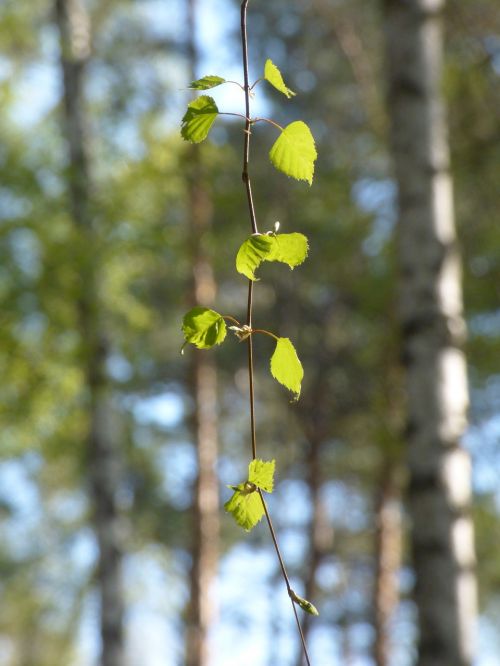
x: 235, y: 321
x: 255, y: 83
x: 267, y: 120
x: 237, y: 115
x: 263, y: 330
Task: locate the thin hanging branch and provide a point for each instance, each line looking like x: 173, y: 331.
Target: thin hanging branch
x: 253, y: 221
x: 294, y: 154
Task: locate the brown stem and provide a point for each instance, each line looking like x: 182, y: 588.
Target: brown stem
x: 246, y: 179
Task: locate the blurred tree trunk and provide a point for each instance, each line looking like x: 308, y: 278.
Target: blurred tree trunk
x: 102, y: 456
x: 388, y: 543
x: 203, y: 373
x: 433, y: 331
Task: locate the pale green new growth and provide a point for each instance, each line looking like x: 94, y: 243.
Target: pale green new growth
x: 207, y: 82
x: 307, y: 606
x: 203, y: 328
x: 273, y: 76
x: 290, y: 249
x: 286, y: 367
x: 261, y: 473
x: 294, y: 152
x: 198, y: 119
x: 246, y: 505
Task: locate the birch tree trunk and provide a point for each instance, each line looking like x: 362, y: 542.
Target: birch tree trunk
x: 388, y: 543
x: 102, y: 456
x: 433, y: 331
x: 205, y: 526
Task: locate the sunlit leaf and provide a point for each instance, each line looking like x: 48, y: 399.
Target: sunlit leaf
x: 261, y: 473
x: 286, y: 367
x: 273, y: 75
x: 203, y: 327
x: 252, y: 253
x: 207, y: 82
x: 290, y: 249
x: 199, y: 118
x: 294, y: 152
x: 246, y: 505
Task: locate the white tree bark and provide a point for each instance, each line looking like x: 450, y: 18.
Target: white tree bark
x: 433, y: 331
x: 102, y: 455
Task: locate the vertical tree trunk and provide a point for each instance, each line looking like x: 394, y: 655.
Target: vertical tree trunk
x: 433, y: 331
x: 103, y: 460
x: 387, y: 561
x: 204, y: 391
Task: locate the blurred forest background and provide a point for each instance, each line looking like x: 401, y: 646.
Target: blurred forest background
x: 110, y: 227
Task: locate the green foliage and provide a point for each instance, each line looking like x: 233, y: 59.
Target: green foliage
x: 203, y: 328
x: 273, y: 76
x: 286, y: 367
x: 294, y: 152
x: 207, y: 82
x: 261, y: 473
x: 290, y: 249
x: 198, y: 119
x: 246, y: 505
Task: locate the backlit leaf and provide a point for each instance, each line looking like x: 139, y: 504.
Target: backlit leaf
x: 198, y: 119
x: 294, y: 152
x: 245, y: 507
x: 203, y: 328
x: 290, y: 249
x: 286, y: 367
x: 207, y: 82
x: 261, y: 473
x: 273, y: 75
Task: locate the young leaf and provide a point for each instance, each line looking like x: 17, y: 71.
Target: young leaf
x: 204, y: 328
x: 245, y: 507
x: 207, y: 82
x: 290, y: 249
x: 306, y: 606
x: 286, y: 367
x: 261, y: 474
x: 245, y: 504
x: 252, y: 253
x: 198, y: 119
x: 273, y: 76
x: 294, y: 152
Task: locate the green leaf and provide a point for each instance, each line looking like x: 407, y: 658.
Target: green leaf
x: 198, y: 119
x: 290, y: 249
x: 252, y: 253
x: 246, y: 505
x: 207, y: 82
x: 306, y: 606
x: 261, y: 474
x: 204, y: 328
x: 286, y: 366
x: 273, y: 76
x: 294, y: 152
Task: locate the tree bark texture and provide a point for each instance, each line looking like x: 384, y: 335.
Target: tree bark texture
x: 203, y: 372
x: 388, y: 544
x: 102, y: 455
x: 433, y: 331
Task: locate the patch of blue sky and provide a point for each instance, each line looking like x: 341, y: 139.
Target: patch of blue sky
x: 164, y: 409
x: 377, y: 198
